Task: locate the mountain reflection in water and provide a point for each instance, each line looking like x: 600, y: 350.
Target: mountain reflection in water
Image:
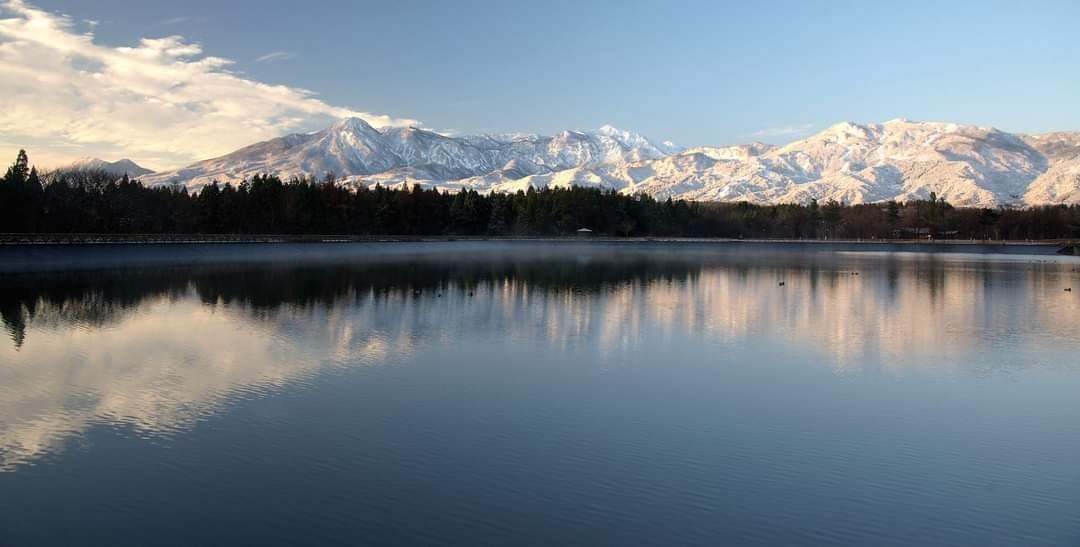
x: 156, y: 352
x: 160, y: 348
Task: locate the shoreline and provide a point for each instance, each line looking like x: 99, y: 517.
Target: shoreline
x: 203, y: 239
x: 133, y: 252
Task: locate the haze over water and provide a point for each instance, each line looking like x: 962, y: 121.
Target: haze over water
x: 543, y: 394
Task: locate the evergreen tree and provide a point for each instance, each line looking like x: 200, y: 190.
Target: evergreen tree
x: 815, y: 216
x: 21, y: 197
x: 501, y: 215
x: 831, y: 215
x: 19, y: 170
x: 892, y: 214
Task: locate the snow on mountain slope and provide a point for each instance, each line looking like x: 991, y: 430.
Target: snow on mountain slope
x: 119, y: 167
x: 853, y: 163
x: 848, y: 162
x: 904, y: 160
x: 351, y: 148
x: 1061, y: 182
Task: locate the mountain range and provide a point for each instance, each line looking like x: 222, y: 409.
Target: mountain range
x: 847, y: 162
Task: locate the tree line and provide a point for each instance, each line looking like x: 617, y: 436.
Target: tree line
x: 95, y: 201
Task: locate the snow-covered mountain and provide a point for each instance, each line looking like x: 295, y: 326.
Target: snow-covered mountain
x: 119, y: 167
x: 354, y: 150
x: 1060, y: 183
x: 852, y: 163
x: 848, y: 162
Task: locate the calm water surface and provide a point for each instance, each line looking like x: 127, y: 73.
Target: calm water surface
x: 457, y: 393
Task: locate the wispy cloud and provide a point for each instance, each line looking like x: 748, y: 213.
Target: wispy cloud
x: 162, y: 100
x: 783, y: 131
x: 176, y: 20
x: 275, y: 56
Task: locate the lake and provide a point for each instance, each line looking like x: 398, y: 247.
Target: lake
x: 530, y: 393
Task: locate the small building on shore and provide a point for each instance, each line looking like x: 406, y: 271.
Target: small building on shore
x: 584, y: 232
x: 924, y: 232
x: 913, y: 233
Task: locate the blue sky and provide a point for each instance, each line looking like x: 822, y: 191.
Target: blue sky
x: 693, y: 72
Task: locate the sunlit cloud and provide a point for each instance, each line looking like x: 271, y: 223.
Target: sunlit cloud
x: 162, y: 102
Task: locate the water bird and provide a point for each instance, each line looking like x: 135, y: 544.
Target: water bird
x: 416, y: 292
x: 780, y: 284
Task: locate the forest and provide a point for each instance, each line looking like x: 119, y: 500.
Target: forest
x: 90, y: 201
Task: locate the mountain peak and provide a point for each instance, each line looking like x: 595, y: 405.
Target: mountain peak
x: 608, y: 129
x: 353, y: 124
x: 844, y: 127
x: 635, y: 140
x: 119, y: 167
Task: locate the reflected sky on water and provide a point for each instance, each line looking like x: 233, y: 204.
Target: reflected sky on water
x: 570, y: 395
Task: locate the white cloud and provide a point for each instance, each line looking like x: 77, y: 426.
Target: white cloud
x: 275, y: 56
x: 162, y: 101
x: 784, y: 131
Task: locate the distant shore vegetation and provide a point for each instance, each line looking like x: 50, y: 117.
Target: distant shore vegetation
x: 96, y: 201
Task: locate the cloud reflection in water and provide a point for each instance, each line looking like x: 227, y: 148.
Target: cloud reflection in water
x: 156, y: 351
